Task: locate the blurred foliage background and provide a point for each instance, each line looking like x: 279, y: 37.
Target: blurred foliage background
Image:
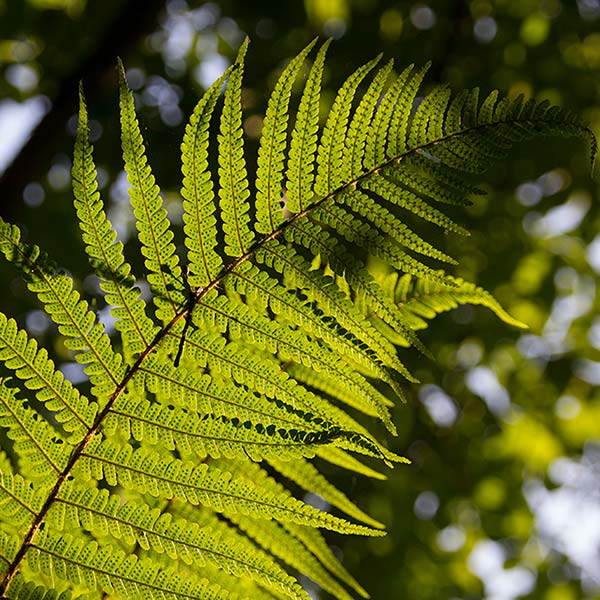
x: 502, y: 499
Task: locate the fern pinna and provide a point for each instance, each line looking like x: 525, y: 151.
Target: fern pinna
x: 163, y: 480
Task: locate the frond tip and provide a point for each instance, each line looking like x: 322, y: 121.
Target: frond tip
x: 294, y: 304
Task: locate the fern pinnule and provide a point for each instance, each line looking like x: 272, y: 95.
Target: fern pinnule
x: 105, y: 254
x: 330, y: 152
x: 358, y: 130
x: 233, y: 178
x: 84, y: 335
x: 199, y: 202
x: 271, y: 152
x: 303, y: 144
x: 152, y: 223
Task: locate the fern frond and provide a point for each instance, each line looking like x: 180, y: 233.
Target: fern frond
x: 343, y: 261
x: 152, y: 223
x: 428, y: 122
x: 386, y: 188
x: 209, y: 396
x: 151, y: 485
x: 389, y: 225
x: 104, y: 253
x: 354, y: 390
x: 260, y: 374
